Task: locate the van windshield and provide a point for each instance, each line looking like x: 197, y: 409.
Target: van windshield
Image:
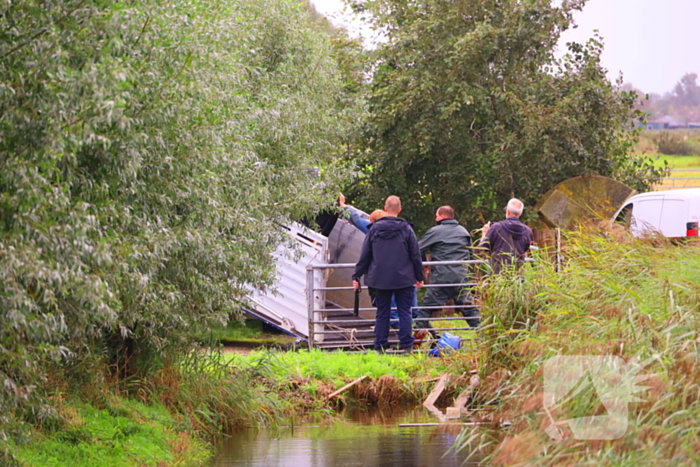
x: 625, y: 216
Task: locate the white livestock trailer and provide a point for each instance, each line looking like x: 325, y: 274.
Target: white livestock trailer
x: 307, y: 297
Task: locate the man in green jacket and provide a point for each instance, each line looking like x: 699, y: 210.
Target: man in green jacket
x: 447, y: 241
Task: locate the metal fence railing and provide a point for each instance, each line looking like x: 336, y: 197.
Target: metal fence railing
x: 345, y: 331
x: 680, y: 178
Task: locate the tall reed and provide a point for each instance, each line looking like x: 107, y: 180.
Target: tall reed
x: 614, y: 296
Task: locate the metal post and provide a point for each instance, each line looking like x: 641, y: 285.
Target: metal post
x: 558, y: 252
x: 310, y: 303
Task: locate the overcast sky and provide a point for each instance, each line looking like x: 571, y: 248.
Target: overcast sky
x: 652, y: 42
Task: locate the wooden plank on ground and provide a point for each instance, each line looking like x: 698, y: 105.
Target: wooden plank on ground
x: 453, y: 413
x: 463, y: 398
x: 437, y: 390
x: 346, y: 387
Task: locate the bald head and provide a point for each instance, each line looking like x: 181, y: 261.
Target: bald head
x: 392, y: 206
x: 446, y: 212
x: 515, y: 208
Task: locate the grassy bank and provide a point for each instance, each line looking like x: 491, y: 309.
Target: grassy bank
x: 120, y: 433
x: 169, y: 418
x: 390, y: 378
x: 172, y: 418
x: 614, y: 297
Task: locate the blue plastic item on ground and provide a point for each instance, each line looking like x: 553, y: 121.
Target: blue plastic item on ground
x: 446, y: 343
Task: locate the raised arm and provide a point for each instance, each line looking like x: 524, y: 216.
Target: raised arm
x: 356, y: 220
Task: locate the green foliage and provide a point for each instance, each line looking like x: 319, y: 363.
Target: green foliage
x: 518, y: 298
x: 613, y: 296
x: 149, y: 152
x: 216, y: 396
x: 469, y: 106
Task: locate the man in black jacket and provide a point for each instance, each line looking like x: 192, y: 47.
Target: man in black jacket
x: 391, y: 263
x: 508, y: 241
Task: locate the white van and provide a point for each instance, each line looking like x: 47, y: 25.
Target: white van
x: 674, y: 213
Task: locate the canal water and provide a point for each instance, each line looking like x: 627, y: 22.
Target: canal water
x: 359, y: 439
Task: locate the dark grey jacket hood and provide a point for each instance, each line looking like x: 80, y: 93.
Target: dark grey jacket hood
x: 390, y: 257
x: 515, y: 228
x: 508, y: 241
x: 388, y: 228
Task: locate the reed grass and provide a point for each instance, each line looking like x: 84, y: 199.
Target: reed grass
x: 614, y: 296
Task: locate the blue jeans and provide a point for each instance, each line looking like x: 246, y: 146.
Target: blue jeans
x: 404, y: 298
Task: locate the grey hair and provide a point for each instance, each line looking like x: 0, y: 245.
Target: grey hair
x: 515, y: 207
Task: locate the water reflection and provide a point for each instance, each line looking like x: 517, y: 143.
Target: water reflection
x: 367, y: 439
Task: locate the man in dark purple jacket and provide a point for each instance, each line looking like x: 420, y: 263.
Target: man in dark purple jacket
x: 391, y: 263
x: 508, y: 241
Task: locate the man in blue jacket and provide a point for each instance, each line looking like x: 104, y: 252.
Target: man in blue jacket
x: 391, y: 263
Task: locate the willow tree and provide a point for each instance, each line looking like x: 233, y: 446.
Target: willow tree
x: 470, y: 105
x: 149, y: 152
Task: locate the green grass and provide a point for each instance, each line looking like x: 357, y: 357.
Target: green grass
x: 615, y: 296
x: 251, y: 332
x: 688, y: 178
x: 126, y: 434
x: 324, y: 365
x: 677, y: 162
x: 330, y: 370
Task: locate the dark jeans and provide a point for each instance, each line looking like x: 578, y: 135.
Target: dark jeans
x: 437, y: 296
x: 404, y: 299
x: 395, y: 314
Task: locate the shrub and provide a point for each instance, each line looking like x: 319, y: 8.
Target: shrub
x: 673, y: 145
x: 149, y: 151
